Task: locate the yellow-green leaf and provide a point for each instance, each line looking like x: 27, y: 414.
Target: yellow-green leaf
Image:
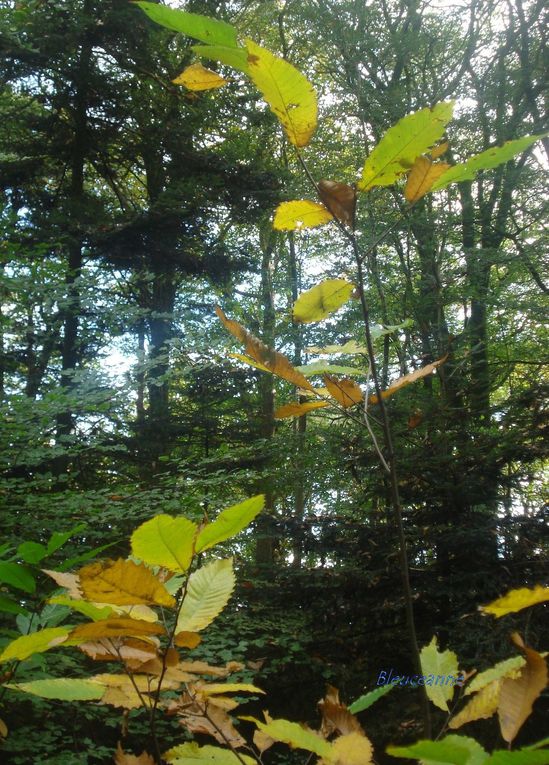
x: 451, y: 750
x: 123, y: 583
x: 208, y: 30
x: 422, y: 178
x: 441, y: 665
x: 196, y: 77
x: 483, y: 705
x: 250, y: 361
x: 190, y: 753
x: 397, y: 151
x: 90, y: 610
x: 411, y: 377
x: 37, y: 642
x: 165, y: 541
x: 298, y: 410
x: 486, y: 160
x: 208, y: 592
x: 229, y: 522
x: 63, y: 689
x: 216, y: 688
x: 293, y: 734
x: 235, y: 57
x: 288, y: 92
x: 322, y: 300
x: 516, y: 600
x: 299, y: 214
x: 505, y: 668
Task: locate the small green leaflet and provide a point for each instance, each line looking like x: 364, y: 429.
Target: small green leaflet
x: 62, y: 689
x: 452, y: 750
x: 31, y: 552
x: 368, y: 699
x: 403, y: 143
x: 229, y: 522
x: 486, y: 160
x: 235, y: 57
x: 210, y: 31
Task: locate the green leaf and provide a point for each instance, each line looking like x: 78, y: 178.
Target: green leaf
x: 322, y: 300
x: 288, y: 92
x: 31, y: 552
x: 293, y: 734
x: 9, y: 606
x: 210, y: 31
x: 486, y: 160
x: 84, y: 607
x: 191, y: 753
x: 501, y: 669
x: 229, y: 522
x: 403, y: 143
x: 208, y: 592
x: 440, y: 665
x: 520, y: 757
x: 38, y: 642
x: 165, y: 541
x: 62, y: 689
x: 368, y: 699
x: 452, y: 750
x: 58, y: 538
x: 325, y: 367
x: 237, y: 58
x: 18, y: 576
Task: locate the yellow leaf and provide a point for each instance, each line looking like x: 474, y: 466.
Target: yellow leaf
x: 516, y: 600
x: 216, y: 688
x: 517, y: 695
x: 122, y: 758
x: 422, y: 176
x: 191, y: 752
x: 438, y: 667
x: 109, y: 628
x: 288, y: 92
x: 165, y: 541
x: 250, y: 361
x: 345, y: 391
x: 299, y: 214
x: 322, y: 300
x: 203, y: 668
x: 402, y: 382
x: 187, y: 639
x: 483, y: 705
x: 439, y: 150
x: 131, y: 651
x: 506, y: 668
x: 197, y: 77
x: 37, y: 642
x: 351, y: 749
x: 3, y: 729
x: 340, y: 200
x: 123, y: 583
x: 298, y: 410
x: 276, y: 363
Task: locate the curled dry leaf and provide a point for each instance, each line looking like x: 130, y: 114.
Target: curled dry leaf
x: 336, y: 716
x: 298, y: 410
x: 109, y: 628
x: 340, y: 199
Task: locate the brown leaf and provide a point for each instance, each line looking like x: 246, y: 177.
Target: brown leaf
x: 415, y: 419
x: 517, y: 696
x: 275, y: 362
x: 422, y: 178
x: 345, y: 391
x: 70, y: 582
x: 336, y: 716
x: 133, y: 652
x: 122, y: 758
x: 340, y: 199
x: 113, y: 627
x: 218, y: 724
x: 203, y: 668
x: 187, y: 639
x: 123, y: 583
x: 402, y: 382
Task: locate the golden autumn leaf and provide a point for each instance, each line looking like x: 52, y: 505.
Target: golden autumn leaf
x: 123, y: 583
x: 187, y: 639
x: 298, y: 410
x: 402, y: 382
x: 340, y: 200
x: 483, y: 705
x: 123, y: 758
x: 422, y: 177
x: 517, y: 695
x: 322, y: 300
x: 345, y: 391
x: 125, y: 698
x: 115, y: 627
x: 516, y: 600
x: 351, y: 749
x: 276, y: 363
x: 130, y: 651
x: 300, y: 214
x: 439, y: 150
x: 203, y: 668
x: 196, y: 77
x: 218, y: 724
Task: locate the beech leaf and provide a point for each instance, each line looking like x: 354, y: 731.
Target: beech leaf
x: 483, y: 705
x: 229, y: 522
x: 37, y: 642
x: 61, y: 689
x: 451, y: 750
x: 123, y: 583
x: 115, y: 627
x: 123, y: 758
x: 204, y: 28
x: 440, y: 664
x: 196, y: 78
x: 322, y: 300
x: 422, y: 178
x: 208, y: 592
x: 300, y: 214
x: 293, y: 734
x: 340, y: 200
x: 165, y: 541
x: 235, y: 57
x: 191, y: 753
x: 351, y: 749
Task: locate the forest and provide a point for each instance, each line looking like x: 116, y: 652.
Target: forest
x: 273, y: 300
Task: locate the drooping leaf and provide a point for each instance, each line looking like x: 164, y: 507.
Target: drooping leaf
x: 300, y: 214
x: 191, y: 753
x: 517, y: 695
x: 123, y: 758
x: 293, y: 734
x: 275, y: 362
x: 235, y: 57
x: 123, y: 583
x: 325, y: 367
x: 208, y: 592
x: 340, y: 200
x: 31, y: 552
x: 486, y: 160
x: 218, y: 723
x: 322, y: 300
x: 397, y: 151
x: 298, y: 410
x: 196, y: 78
x: 516, y: 600
x: 288, y: 92
x: 422, y: 178
x: 440, y: 664
x: 363, y: 702
x: 229, y: 522
x: 115, y: 627
x: 351, y: 749
x: 411, y: 377
x: 451, y: 750
x: 62, y: 689
x: 336, y: 717
x: 505, y: 668
x: 210, y: 31
x: 17, y: 575
x: 165, y: 541
x: 483, y: 705
x: 346, y: 392
x: 37, y: 642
